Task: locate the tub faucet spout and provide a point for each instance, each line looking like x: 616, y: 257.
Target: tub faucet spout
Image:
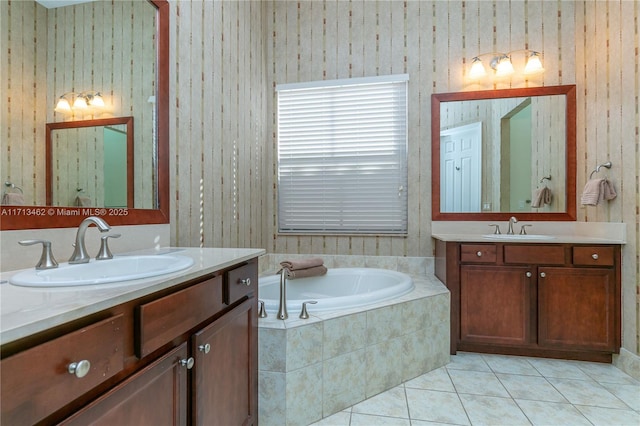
x: 282, y: 306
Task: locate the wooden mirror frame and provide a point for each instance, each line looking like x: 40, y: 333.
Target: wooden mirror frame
x: 570, y: 178
x: 101, y: 122
x: 40, y: 217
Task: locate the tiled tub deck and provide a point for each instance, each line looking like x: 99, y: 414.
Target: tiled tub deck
x: 310, y: 369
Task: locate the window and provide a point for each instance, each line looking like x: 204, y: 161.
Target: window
x: 342, y: 156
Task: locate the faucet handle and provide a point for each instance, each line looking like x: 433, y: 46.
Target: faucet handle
x: 262, y: 313
x: 523, y: 231
x: 497, y: 230
x: 304, y: 314
x: 104, y: 252
x: 47, y: 260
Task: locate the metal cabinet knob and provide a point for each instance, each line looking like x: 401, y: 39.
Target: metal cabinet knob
x: 542, y: 274
x: 80, y: 368
x: 595, y: 256
x: 479, y: 254
x: 528, y: 274
x: 204, y: 348
x: 187, y: 363
x: 245, y: 281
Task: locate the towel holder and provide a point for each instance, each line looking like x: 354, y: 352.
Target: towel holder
x: 597, y: 169
x: 12, y: 186
x: 545, y: 177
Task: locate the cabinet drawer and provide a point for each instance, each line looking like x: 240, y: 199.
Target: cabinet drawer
x: 478, y: 253
x: 528, y: 254
x: 600, y: 256
x: 164, y: 319
x: 240, y: 282
x: 37, y: 382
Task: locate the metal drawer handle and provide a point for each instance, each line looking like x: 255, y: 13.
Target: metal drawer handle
x: 528, y: 274
x: 245, y: 281
x: 595, y: 256
x: 479, y: 254
x: 187, y: 363
x: 204, y: 348
x: 80, y: 368
x: 542, y: 274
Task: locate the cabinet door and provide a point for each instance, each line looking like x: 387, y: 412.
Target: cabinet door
x: 157, y: 395
x: 495, y: 304
x: 577, y: 308
x: 225, y: 386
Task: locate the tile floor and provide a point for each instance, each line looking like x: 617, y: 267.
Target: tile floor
x: 479, y: 389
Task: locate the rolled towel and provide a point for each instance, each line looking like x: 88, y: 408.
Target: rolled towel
x: 83, y: 201
x: 12, y: 199
x: 542, y: 196
x: 294, y: 265
x: 314, y: 271
x: 591, y: 193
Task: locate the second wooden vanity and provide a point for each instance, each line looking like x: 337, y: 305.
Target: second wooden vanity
x: 179, y: 351
x: 558, y: 300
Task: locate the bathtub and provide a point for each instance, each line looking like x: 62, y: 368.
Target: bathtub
x: 340, y: 288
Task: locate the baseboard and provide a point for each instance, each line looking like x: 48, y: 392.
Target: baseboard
x: 628, y: 362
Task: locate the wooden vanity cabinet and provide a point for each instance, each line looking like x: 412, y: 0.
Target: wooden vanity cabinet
x: 553, y: 300
x: 192, y: 359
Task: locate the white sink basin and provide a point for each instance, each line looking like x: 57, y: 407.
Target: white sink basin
x: 518, y: 237
x: 120, y: 268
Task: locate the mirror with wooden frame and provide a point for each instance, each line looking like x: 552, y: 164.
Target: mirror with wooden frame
x: 502, y: 153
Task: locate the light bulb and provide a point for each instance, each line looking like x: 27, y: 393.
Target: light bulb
x: 504, y: 67
x: 96, y: 100
x: 80, y: 103
x: 534, y: 65
x: 477, y: 70
x: 63, y: 105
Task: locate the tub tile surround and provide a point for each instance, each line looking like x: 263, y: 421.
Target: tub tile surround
x: 310, y: 369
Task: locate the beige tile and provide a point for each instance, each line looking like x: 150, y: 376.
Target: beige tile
x: 272, y: 345
x: 530, y: 387
x: 343, y: 382
x: 303, y: 346
x: 552, y: 413
x: 384, y: 324
x: 344, y: 334
x: 600, y: 416
x: 368, y: 420
x: 304, y: 401
x: 477, y: 383
x: 606, y: 373
x: 491, y: 410
x: 436, y: 406
x: 558, y: 368
x: 271, y: 401
x: 391, y: 403
x: 383, y: 366
x: 342, y: 418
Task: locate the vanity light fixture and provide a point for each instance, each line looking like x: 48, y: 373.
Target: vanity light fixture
x: 72, y: 101
x: 501, y: 64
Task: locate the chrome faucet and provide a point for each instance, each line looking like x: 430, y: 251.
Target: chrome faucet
x: 512, y: 220
x: 282, y: 306
x: 80, y: 252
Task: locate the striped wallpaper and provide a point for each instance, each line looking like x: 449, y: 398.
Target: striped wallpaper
x: 228, y: 55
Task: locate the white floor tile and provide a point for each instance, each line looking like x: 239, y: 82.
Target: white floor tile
x: 510, y: 365
x: 629, y: 394
x: 606, y: 373
x: 392, y: 403
x: 438, y: 380
x: 468, y: 361
x: 552, y: 413
x: 609, y: 416
x: 490, y: 410
x: 368, y: 420
x: 530, y: 387
x: 477, y: 383
x: 444, y: 407
x: 342, y: 418
x: 583, y: 392
x: 558, y: 368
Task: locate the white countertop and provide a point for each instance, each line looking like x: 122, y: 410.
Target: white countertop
x: 25, y: 311
x: 562, y: 232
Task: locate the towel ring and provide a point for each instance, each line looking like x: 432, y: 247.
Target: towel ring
x: 12, y: 186
x: 545, y: 177
x: 597, y: 169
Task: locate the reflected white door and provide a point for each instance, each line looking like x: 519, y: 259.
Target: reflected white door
x: 460, y: 168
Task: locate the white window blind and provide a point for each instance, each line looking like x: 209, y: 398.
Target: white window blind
x: 342, y: 156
